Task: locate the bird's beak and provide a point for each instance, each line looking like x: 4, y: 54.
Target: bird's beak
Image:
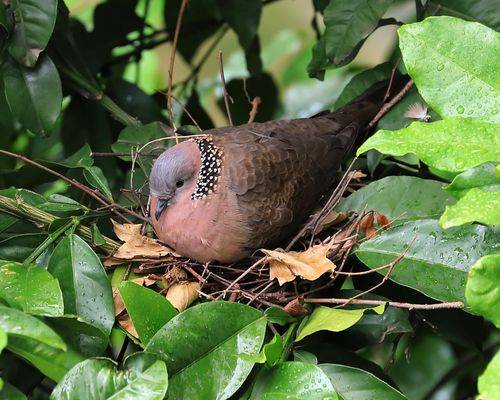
x: 161, y: 205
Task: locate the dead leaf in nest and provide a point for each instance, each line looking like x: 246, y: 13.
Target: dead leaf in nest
x: 117, y: 299
x: 173, y: 275
x: 126, y: 323
x: 333, y: 218
x: 357, y: 175
x: 182, y: 294
x: 144, y: 281
x: 136, y: 245
x: 295, y: 307
x: 309, y: 264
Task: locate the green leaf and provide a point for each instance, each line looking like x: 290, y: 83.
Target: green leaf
x: 347, y: 25
x: 98, y: 379
x: 34, y: 23
x: 31, y: 289
x: 243, y: 17
x: 483, y: 175
x: 447, y: 52
x: 478, y: 204
x: 9, y: 392
x: 355, y: 384
x: 202, y: 345
x: 148, y: 310
x: 305, y: 357
x: 484, y: 11
x: 294, y: 381
x: 452, y: 145
x: 31, y: 339
x: 483, y: 288
x: 488, y: 383
x: 34, y: 95
x: 96, y: 178
x: 79, y: 335
x: 3, y: 339
x: 437, y: 262
x: 80, y: 159
x: 331, y: 319
x: 402, y: 197
x: 84, y: 283
x: 361, y: 82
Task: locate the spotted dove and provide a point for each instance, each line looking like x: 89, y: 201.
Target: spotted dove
x: 220, y: 196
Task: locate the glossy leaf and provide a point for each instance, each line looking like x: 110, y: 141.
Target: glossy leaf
x: 79, y: 335
x: 484, y: 11
x: 98, y: 379
x: 488, y: 383
x: 3, y: 339
x: 437, y: 262
x: 361, y: 82
x: 84, y: 283
x: 484, y: 175
x: 31, y: 289
x: 477, y: 205
x: 402, y: 197
x: 347, y: 25
x: 9, y: 392
x: 294, y: 381
x: 201, y: 348
x: 355, y: 384
x: 34, y: 22
x: 331, y: 319
x: 96, y: 178
x: 34, y: 95
x: 483, y: 288
x: 148, y: 310
x: 447, y: 52
x: 243, y: 17
x: 82, y: 158
x: 452, y: 145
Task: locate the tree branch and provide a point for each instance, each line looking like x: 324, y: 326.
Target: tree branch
x: 409, y: 306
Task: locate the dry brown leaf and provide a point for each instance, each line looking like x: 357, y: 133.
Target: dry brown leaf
x: 309, y: 264
x: 144, y: 281
x: 333, y: 218
x: 117, y: 299
x: 182, y: 294
x: 295, y: 307
x: 127, y: 324
x: 357, y: 175
x: 366, y: 222
x: 136, y: 245
x: 174, y: 275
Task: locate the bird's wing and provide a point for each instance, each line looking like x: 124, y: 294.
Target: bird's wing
x: 280, y: 169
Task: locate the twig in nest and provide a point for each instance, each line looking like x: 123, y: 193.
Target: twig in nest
x: 410, y: 306
x: 255, y: 107
x: 224, y: 90
x: 171, y: 67
x: 239, y: 278
x: 92, y: 193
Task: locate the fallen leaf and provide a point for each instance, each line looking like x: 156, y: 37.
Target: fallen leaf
x: 309, y: 264
x: 295, y: 307
x: 144, y: 281
x: 357, y: 175
x: 127, y: 324
x: 136, y: 245
x: 117, y: 299
x: 333, y: 218
x: 182, y: 294
x: 173, y: 275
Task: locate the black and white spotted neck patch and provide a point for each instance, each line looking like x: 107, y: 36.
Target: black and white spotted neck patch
x: 210, y: 167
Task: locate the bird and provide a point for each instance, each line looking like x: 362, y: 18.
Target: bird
x: 229, y: 191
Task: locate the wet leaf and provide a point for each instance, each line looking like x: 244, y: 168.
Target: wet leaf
x: 438, y: 260
x: 401, y: 197
x: 355, y: 384
x: 148, y: 310
x: 84, y: 283
x: 309, y: 264
x: 442, y: 52
x: 332, y: 319
x: 484, y: 175
x: 99, y: 379
x: 96, y: 178
x: 181, y: 295
x: 488, y: 383
x: 35, y: 22
x: 483, y: 288
x: 31, y: 289
x: 293, y: 380
x: 201, y: 347
x: 452, y: 145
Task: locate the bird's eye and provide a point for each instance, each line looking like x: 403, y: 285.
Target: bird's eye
x: 179, y: 183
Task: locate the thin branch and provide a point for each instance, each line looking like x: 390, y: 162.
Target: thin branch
x: 171, y: 66
x: 224, y: 90
x: 263, y: 259
x: 255, y: 107
x: 92, y: 193
x: 409, y: 306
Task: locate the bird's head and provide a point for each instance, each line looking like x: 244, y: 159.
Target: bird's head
x: 174, y: 176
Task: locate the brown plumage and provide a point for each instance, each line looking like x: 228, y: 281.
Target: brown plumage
x: 258, y: 182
